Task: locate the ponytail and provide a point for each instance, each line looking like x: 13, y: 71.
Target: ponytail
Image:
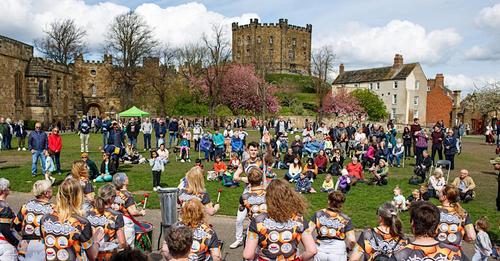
x: 452, y: 195
x: 104, y: 197
x: 390, y: 218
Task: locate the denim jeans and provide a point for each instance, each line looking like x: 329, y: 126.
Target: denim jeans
x: 105, y: 138
x: 34, y: 160
x: 133, y: 141
x: 207, y: 154
x: 172, y: 137
x: 147, y: 141
x: 289, y: 176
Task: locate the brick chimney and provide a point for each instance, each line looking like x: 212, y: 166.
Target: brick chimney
x: 398, y: 61
x: 341, y: 68
x: 439, y: 80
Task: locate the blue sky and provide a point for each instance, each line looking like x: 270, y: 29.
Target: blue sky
x: 456, y: 37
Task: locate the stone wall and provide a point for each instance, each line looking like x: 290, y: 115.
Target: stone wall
x: 274, y: 47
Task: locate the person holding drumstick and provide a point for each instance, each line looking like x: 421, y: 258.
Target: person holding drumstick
x: 125, y: 203
x: 102, y: 215
x: 196, y: 189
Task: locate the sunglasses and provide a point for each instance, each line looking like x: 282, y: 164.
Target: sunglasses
x: 84, y: 157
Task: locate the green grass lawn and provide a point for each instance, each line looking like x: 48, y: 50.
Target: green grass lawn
x: 362, y: 200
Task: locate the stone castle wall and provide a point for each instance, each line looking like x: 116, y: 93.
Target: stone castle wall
x: 280, y: 47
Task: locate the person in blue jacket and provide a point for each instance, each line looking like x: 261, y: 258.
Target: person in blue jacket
x: 37, y: 144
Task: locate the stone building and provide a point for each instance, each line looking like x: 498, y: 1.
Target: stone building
x: 474, y: 120
x: 33, y: 88
x: 402, y: 88
x: 278, y: 48
x: 442, y: 103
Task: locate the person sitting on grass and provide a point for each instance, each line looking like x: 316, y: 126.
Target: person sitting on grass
x: 414, y: 197
x: 465, y: 185
x: 297, y: 146
x: 397, y: 153
x: 288, y: 159
x: 303, y: 184
x: 235, y: 162
x: 355, y: 171
x: 399, y: 200
x: 328, y: 185
x: 436, y: 183
x: 310, y: 169
x: 163, y: 153
x: 294, y: 170
x: 91, y: 166
x: 337, y: 163
x: 177, y: 244
x: 107, y: 169
x: 228, y: 176
x: 344, y: 182
x: 379, y: 173
x: 219, y: 166
x: 49, y: 166
x: 321, y: 160
x: 424, y: 217
x: 335, y: 231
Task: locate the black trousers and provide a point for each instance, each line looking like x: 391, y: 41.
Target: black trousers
x: 156, y: 178
x: 407, y: 150
x: 451, y: 158
x: 439, y: 151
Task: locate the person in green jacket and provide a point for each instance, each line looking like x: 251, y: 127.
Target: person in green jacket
x: 93, y: 170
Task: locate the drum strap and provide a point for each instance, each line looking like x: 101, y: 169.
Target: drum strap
x: 137, y: 223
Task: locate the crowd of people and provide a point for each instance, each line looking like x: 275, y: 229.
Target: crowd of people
x: 83, y: 224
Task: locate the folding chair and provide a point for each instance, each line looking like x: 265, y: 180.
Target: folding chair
x: 446, y: 164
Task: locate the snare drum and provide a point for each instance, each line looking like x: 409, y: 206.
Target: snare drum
x: 143, y: 237
x: 107, y: 250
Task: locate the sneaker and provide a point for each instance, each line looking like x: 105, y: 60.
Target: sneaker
x: 183, y: 160
x: 144, y: 149
x: 24, y: 149
x: 33, y: 175
x: 52, y: 179
x: 236, y: 244
x: 155, y: 189
x: 59, y: 173
x: 18, y: 149
x: 291, y: 180
x: 189, y: 160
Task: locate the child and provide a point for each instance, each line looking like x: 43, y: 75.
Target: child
x: 157, y: 168
x: 234, y: 163
x: 219, y: 166
x: 199, y: 163
x: 228, y: 180
x: 414, y: 197
x: 344, y: 182
x: 49, y: 167
x: 161, y: 140
x: 327, y: 184
x: 184, y: 148
x: 304, y: 184
x: 380, y: 173
x: 399, y: 200
x: 397, y: 152
x: 482, y: 246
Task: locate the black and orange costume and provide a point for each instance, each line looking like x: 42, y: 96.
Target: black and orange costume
x: 372, y: 242
x: 28, y: 220
x: 331, y: 224
x: 124, y: 200
x: 66, y: 240
x: 204, y: 240
x: 6, y: 220
x: 111, y: 221
x: 451, y: 228
x: 254, y: 200
x: 277, y: 241
x: 436, y: 252
x: 184, y: 196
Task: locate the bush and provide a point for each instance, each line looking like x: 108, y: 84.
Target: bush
x: 29, y: 124
x: 302, y: 82
x: 371, y: 103
x: 310, y: 106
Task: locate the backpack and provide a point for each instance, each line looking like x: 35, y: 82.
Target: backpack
x: 415, y: 180
x: 382, y: 256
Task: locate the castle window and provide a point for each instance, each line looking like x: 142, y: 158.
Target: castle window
x: 40, y: 88
x: 93, y: 72
x: 304, y: 44
x: 396, y: 84
x: 294, y: 41
x: 394, y: 99
x: 378, y: 86
x: 291, y: 55
x: 270, y: 40
x: 18, y: 90
x: 248, y: 52
x: 93, y: 90
x: 371, y: 86
x: 259, y: 40
x: 415, y: 100
x: 248, y: 39
x: 417, y: 85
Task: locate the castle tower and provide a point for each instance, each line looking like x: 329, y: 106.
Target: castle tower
x: 278, y: 48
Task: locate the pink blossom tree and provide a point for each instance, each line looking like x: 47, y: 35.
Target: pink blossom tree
x: 341, y: 103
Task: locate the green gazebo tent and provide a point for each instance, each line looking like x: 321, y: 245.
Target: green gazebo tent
x: 133, y: 112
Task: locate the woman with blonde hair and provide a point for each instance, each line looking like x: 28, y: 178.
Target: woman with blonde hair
x: 67, y: 235
x: 125, y: 203
x: 80, y: 172
x: 27, y: 223
x: 206, y: 244
x: 102, y: 215
x: 195, y: 188
x: 278, y: 233
x: 436, y: 183
x: 455, y: 223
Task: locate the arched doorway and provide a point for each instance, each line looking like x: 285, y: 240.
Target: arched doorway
x: 93, y: 110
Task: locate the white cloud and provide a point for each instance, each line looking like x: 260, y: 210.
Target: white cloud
x: 468, y: 83
x: 490, y: 17
x: 483, y: 53
x: 26, y: 19
x: 362, y: 44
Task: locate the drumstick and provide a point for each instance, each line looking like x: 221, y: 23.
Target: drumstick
x: 146, y: 196
x: 218, y: 195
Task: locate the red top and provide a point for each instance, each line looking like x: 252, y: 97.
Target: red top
x: 55, y: 142
x: 221, y: 166
x: 321, y: 161
x: 355, y: 170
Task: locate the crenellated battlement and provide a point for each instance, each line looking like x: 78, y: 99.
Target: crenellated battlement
x: 107, y: 59
x: 282, y: 24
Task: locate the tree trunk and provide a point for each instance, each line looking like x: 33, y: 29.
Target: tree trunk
x: 162, y: 99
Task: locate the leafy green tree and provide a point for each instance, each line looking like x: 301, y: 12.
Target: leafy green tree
x: 371, y: 103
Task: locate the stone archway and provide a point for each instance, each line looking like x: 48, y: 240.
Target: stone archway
x: 94, y: 110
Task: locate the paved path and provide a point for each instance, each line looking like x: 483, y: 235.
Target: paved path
x: 223, y: 225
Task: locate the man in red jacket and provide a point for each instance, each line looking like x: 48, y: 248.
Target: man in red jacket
x: 55, y: 146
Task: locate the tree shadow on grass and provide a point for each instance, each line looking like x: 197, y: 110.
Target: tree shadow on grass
x: 9, y: 167
x: 492, y: 173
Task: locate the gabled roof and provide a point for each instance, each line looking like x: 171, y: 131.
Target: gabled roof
x: 375, y: 74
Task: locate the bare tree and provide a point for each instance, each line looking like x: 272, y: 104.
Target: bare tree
x: 190, y: 59
x: 218, y: 57
x: 129, y: 40
x: 322, y: 61
x: 262, y: 63
x: 63, y: 40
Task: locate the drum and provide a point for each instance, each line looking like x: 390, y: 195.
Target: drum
x: 143, y: 236
x: 107, y: 250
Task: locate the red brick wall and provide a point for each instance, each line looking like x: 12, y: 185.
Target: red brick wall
x: 439, y: 106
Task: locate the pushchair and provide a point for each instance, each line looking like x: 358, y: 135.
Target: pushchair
x: 184, y: 150
x: 236, y: 146
x: 445, y: 165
